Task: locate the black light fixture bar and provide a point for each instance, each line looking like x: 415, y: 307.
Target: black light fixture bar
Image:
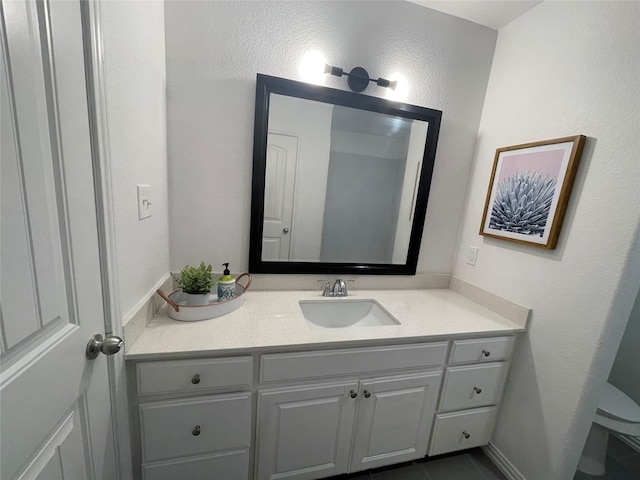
x: 359, y: 78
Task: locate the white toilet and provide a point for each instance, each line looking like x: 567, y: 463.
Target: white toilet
x: 616, y: 413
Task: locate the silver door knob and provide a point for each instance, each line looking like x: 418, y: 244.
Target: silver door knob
x: 285, y: 230
x: 108, y: 346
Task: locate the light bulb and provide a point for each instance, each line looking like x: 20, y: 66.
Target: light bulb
x: 312, y: 67
x: 399, y: 87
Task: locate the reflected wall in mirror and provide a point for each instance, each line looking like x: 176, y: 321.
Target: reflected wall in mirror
x: 340, y: 180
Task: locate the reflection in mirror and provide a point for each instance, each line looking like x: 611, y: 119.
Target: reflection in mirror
x: 339, y: 180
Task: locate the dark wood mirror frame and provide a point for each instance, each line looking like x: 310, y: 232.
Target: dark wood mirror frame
x: 265, y: 85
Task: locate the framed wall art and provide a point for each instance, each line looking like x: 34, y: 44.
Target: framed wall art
x: 529, y: 191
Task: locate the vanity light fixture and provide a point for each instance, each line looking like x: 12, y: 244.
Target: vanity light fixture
x: 359, y: 78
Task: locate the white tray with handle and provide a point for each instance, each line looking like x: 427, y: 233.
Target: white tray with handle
x: 178, y: 309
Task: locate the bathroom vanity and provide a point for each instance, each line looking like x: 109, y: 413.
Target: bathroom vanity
x: 259, y: 394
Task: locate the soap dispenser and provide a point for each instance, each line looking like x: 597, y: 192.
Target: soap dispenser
x: 226, y: 285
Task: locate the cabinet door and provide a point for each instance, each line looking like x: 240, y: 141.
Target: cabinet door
x: 305, y: 432
x: 394, y: 420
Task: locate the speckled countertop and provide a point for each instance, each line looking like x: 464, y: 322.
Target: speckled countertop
x: 273, y: 321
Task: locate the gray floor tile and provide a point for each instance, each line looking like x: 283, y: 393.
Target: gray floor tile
x: 616, y: 471
x: 362, y: 476
x: 485, y: 465
x: 459, y: 467
x: 632, y: 462
x: 617, y: 448
x: 412, y: 471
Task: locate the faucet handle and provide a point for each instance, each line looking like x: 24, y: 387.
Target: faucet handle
x: 344, y: 286
x: 326, y: 291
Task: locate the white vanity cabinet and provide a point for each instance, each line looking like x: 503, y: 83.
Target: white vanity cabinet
x: 473, y: 383
x: 321, y: 428
x: 304, y: 415
x: 194, y: 419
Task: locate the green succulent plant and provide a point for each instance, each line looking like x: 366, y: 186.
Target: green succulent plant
x: 197, y: 281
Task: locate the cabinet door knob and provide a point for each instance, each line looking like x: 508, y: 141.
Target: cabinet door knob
x: 353, y: 394
x: 477, y: 390
x: 196, y: 379
x: 367, y: 394
x: 465, y: 434
x: 486, y: 353
x: 196, y: 431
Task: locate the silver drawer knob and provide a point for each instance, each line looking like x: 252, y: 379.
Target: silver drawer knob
x: 367, y: 394
x: 486, y: 353
x: 353, y: 394
x: 465, y: 434
x: 196, y: 431
x: 196, y: 379
x: 477, y: 390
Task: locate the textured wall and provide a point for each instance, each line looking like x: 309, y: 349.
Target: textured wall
x: 564, y: 68
x: 215, y: 49
x: 134, y: 64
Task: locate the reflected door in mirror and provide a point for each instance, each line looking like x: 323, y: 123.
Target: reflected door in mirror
x: 278, y: 196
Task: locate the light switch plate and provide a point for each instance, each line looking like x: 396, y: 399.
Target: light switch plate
x: 144, y: 201
x: 472, y: 255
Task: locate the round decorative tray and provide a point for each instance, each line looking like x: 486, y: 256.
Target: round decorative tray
x: 178, y: 309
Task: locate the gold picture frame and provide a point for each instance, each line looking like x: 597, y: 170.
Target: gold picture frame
x: 529, y: 191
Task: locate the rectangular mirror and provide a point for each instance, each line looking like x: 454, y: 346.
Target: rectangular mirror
x: 340, y: 180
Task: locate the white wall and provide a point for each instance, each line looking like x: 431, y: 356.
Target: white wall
x: 625, y: 373
x: 564, y: 68
x: 215, y: 50
x: 134, y: 64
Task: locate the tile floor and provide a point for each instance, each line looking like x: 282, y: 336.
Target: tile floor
x: 469, y: 465
x: 623, y: 463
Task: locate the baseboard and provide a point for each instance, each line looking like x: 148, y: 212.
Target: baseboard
x: 502, y: 462
x: 633, y: 442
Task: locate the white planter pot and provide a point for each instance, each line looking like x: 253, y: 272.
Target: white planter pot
x: 196, y: 299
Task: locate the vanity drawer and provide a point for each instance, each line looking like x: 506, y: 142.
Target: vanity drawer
x: 481, y: 350
x: 169, y: 429
x: 329, y: 363
x: 233, y: 465
x: 194, y: 375
x: 473, y: 386
x: 461, y: 430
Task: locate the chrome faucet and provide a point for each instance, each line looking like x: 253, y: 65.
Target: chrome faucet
x: 339, y: 289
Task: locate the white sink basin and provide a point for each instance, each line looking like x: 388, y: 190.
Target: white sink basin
x: 345, y: 313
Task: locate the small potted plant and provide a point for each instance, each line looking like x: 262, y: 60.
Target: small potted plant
x: 196, y: 283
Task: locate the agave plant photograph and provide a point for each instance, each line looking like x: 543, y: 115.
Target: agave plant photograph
x: 529, y: 191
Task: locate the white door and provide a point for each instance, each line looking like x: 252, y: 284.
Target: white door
x: 55, y: 411
x: 394, y: 419
x: 305, y: 432
x: 279, y: 186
